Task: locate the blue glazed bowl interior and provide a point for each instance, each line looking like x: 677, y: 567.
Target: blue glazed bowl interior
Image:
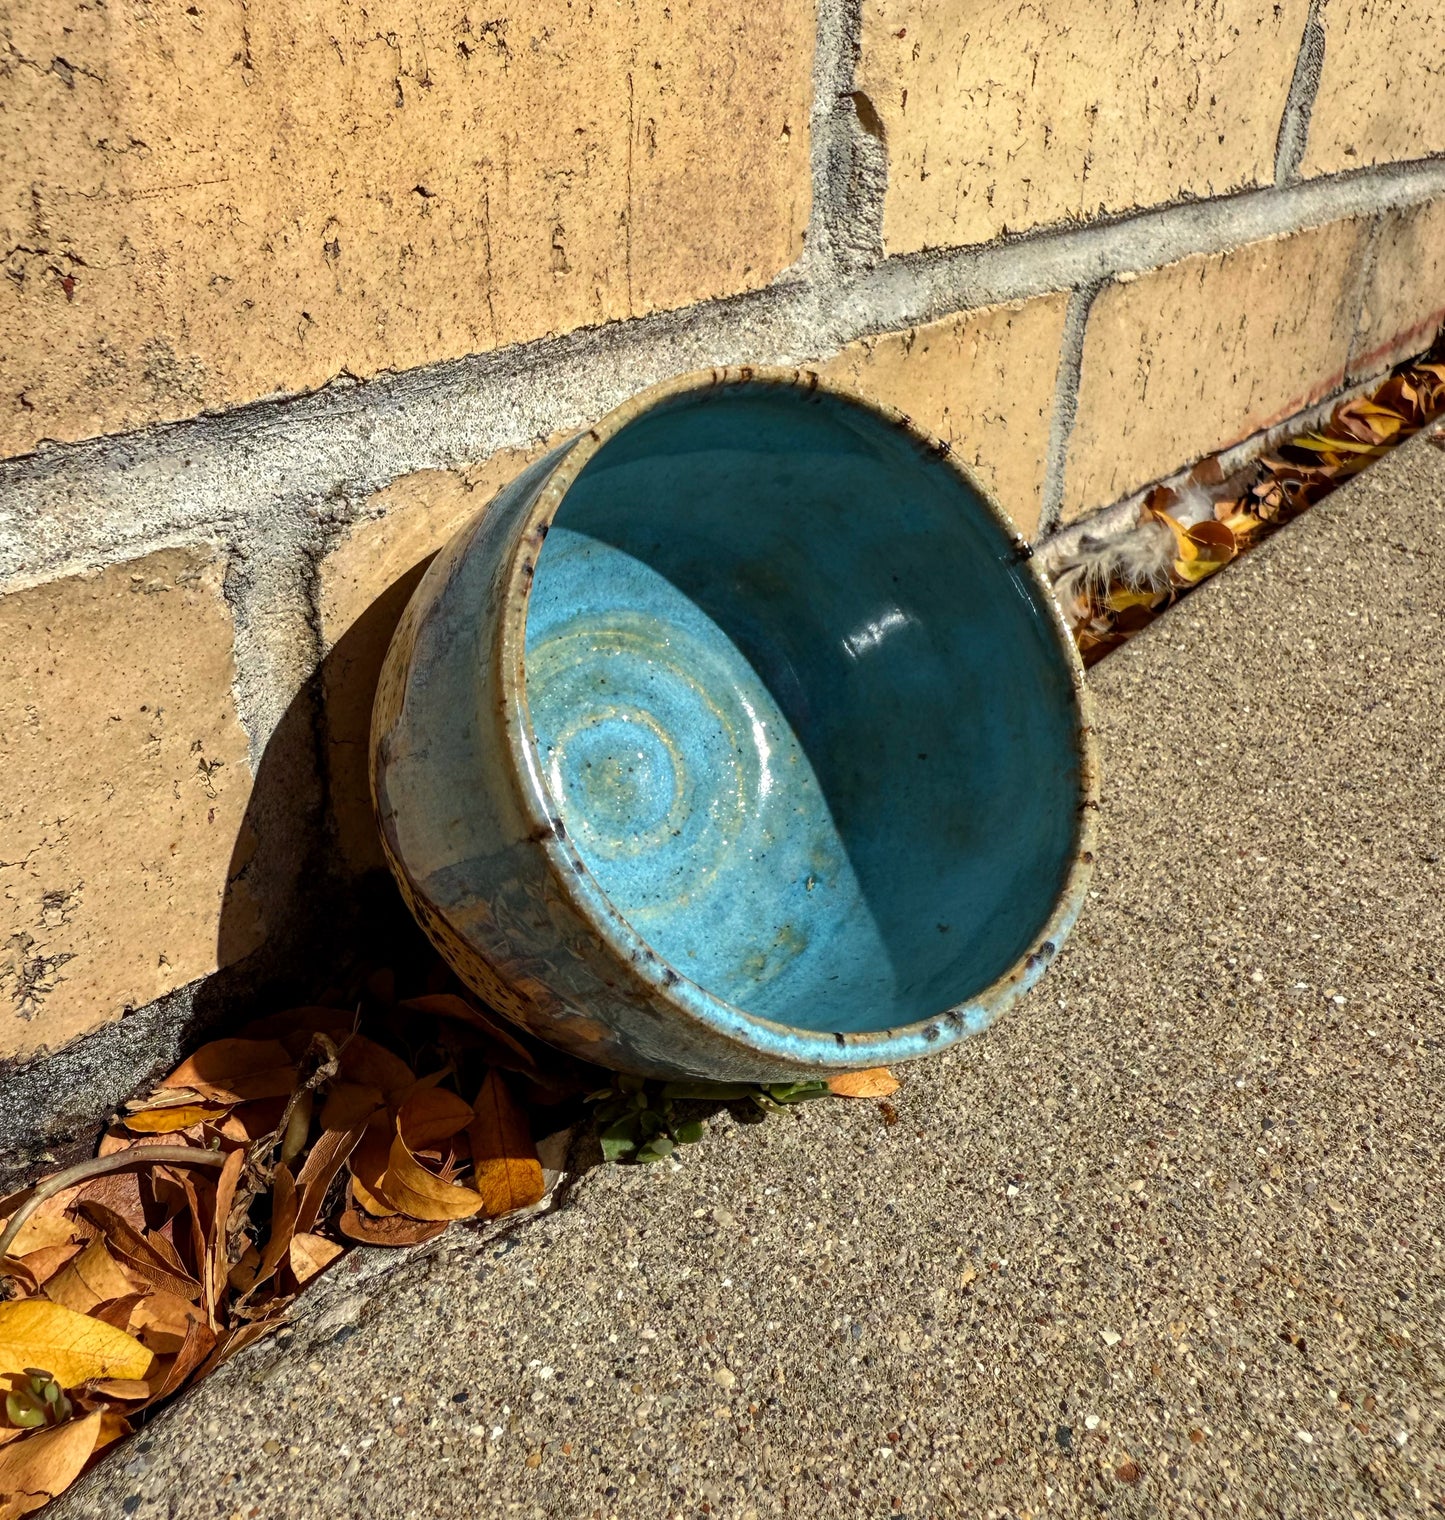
x: 804, y: 715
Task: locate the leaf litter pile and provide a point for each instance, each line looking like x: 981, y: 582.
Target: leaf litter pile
x: 1110, y: 589
x: 254, y: 1165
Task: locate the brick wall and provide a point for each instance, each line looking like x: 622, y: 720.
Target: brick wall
x: 290, y: 291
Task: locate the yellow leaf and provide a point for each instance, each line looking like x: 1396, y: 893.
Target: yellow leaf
x: 71, y: 1347
x: 1335, y: 444
x: 877, y: 1082
x: 506, y: 1171
x: 47, y: 1463
x: 164, y: 1121
x: 310, y: 1253
x: 419, y: 1193
x: 1123, y: 597
x: 1185, y: 545
x: 94, y: 1277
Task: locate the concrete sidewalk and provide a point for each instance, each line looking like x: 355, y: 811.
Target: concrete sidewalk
x: 1170, y: 1240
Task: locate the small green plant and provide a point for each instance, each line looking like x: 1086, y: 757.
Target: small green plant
x: 637, y: 1120
x: 39, y: 1400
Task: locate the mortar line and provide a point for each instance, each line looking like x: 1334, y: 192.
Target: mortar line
x: 1362, y: 285
x: 1294, y: 121
x: 1066, y: 404
x: 125, y: 490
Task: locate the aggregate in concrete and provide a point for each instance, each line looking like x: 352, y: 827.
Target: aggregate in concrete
x: 1170, y: 1240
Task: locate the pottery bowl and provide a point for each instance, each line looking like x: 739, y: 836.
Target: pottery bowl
x: 739, y: 739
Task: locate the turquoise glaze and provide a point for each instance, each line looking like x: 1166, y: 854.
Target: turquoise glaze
x: 739, y: 738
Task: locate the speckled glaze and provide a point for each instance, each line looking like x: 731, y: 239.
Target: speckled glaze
x: 738, y: 738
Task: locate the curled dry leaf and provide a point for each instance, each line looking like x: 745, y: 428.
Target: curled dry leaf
x: 877, y: 1082
x: 311, y: 1254
x: 506, y: 1172
x: 218, y: 1232
x: 237, y: 1071
x: 46, y: 1463
x: 71, y: 1347
x: 414, y: 1191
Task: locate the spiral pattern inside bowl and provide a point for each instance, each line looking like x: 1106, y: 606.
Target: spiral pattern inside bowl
x: 687, y: 792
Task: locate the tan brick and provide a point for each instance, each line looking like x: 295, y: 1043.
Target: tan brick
x: 126, y: 784
x: 1381, y: 95
x: 1001, y: 115
x: 1195, y: 356
x: 983, y: 381
x: 1404, y: 304
x: 207, y: 205
x: 364, y: 583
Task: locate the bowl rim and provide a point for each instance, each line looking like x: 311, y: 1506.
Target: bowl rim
x: 782, y: 1042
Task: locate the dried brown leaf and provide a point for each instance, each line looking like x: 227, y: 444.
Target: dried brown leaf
x: 319, y: 1170
x: 94, y: 1277
x: 367, y: 1163
x: 217, y: 1232
x: 432, y: 1114
x: 237, y: 1071
x: 414, y: 1191
x: 253, y: 1121
x: 350, y: 1104
x: 199, y: 1341
x: 365, y: 1062
x: 149, y: 1257
x: 394, y: 1231
x: 311, y: 1254
x: 506, y: 1172
x: 877, y: 1082
x: 46, y: 1463
x: 161, y: 1321
x: 127, y: 1390
x: 40, y: 1266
